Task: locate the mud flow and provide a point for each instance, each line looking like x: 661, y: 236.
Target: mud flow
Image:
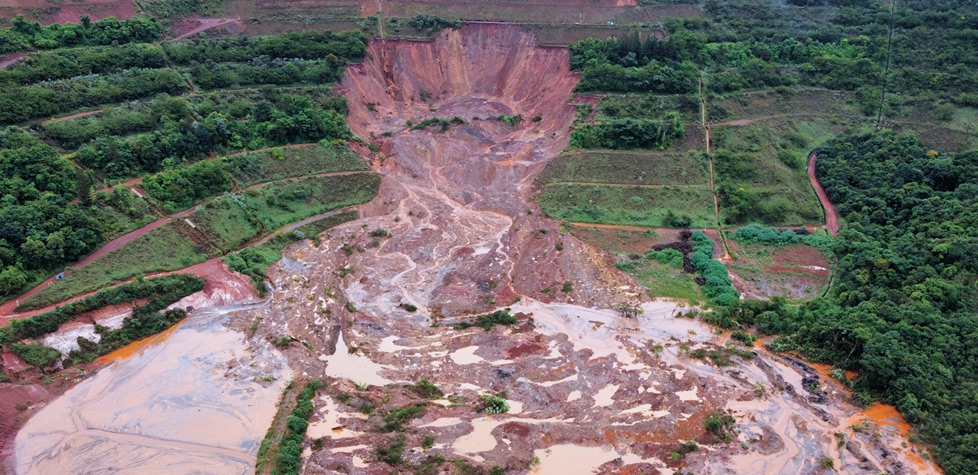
x: 454, y: 233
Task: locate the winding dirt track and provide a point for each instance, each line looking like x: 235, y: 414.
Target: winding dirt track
x: 831, y: 218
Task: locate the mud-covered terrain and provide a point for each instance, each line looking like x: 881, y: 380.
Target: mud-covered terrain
x: 454, y: 233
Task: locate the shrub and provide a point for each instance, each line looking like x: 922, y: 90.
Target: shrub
x: 629, y: 133
x: 717, y: 284
x: 494, y: 404
x: 428, y: 389
x: 36, y: 355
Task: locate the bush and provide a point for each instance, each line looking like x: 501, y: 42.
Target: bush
x: 494, y: 404
x: 717, y: 284
x: 757, y: 234
x: 428, y: 389
x: 629, y: 133
x: 181, y: 188
x: 488, y: 321
x: 432, y: 23
x: 36, y: 355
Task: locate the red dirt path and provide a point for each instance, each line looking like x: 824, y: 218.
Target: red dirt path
x: 11, y: 58
x: 831, y: 218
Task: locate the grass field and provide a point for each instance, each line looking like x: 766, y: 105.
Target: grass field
x: 226, y: 223
x: 663, y: 280
x: 121, y: 212
x: 279, y: 163
x: 218, y: 227
x: 632, y: 205
x: 281, y: 203
x: 638, y: 167
x: 775, y: 153
x: 166, y: 248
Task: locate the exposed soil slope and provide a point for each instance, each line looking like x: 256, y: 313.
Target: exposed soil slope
x: 463, y: 196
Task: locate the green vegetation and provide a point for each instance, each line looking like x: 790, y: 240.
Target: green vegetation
x: 26, y: 35
x: 288, y: 459
x: 433, y: 23
x: 720, y: 425
x: 633, y: 205
x: 163, y: 249
x: 510, y: 120
x: 278, y: 163
x: 629, y: 133
x: 628, y: 167
x: 146, y: 320
x: 298, y: 56
x: 281, y: 203
x: 442, y: 124
x: 903, y: 287
x: 718, y: 287
x: 227, y: 225
x: 662, y: 273
x: 488, y: 321
x: 493, y: 404
x: 179, y: 188
x: 159, y: 292
x: 757, y: 234
x: 427, y: 389
x: 36, y: 355
x: 394, y: 419
x: 392, y: 454
x: 252, y: 261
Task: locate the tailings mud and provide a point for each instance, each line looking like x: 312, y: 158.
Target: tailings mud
x: 191, y: 399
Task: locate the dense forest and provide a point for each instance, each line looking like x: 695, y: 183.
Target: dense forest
x: 903, y: 313
x: 745, y: 44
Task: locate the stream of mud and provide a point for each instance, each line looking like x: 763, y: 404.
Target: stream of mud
x: 588, y: 390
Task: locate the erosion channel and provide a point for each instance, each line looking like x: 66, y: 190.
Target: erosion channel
x: 460, y: 127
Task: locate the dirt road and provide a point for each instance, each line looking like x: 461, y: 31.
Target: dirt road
x: 831, y: 218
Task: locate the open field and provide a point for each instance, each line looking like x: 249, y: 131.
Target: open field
x: 225, y: 223
x: 630, y: 247
x: 797, y: 271
x: 636, y: 167
x: 634, y: 205
x: 281, y: 203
